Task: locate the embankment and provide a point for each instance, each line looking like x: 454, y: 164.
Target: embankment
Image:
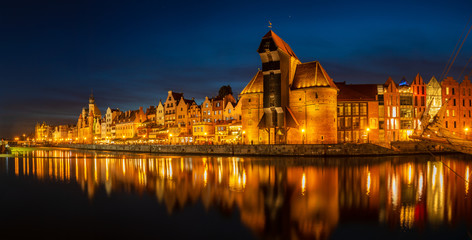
x: 269, y: 150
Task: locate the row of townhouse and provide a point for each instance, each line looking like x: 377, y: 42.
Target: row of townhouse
x: 381, y: 113
x: 176, y: 120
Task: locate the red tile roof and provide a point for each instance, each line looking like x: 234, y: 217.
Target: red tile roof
x: 280, y: 43
x: 356, y: 92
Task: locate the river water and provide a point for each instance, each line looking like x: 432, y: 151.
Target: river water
x: 65, y: 194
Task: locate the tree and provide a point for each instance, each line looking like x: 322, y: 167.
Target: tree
x: 225, y: 90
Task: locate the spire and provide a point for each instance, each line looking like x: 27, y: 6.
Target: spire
x: 91, y: 98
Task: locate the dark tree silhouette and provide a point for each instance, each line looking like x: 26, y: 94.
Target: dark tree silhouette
x: 225, y: 90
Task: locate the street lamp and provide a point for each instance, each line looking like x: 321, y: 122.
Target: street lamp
x: 244, y: 133
x: 466, y: 130
x: 206, y: 138
x: 303, y: 136
x: 368, y: 130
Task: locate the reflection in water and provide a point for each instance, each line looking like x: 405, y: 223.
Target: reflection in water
x: 284, y: 200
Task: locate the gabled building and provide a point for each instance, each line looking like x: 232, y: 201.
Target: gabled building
x: 451, y: 92
x: 433, y: 96
x: 389, y: 107
x: 170, y: 107
x: 160, y: 114
x: 128, y: 123
x: 465, y: 102
x: 418, y: 88
x: 288, y: 101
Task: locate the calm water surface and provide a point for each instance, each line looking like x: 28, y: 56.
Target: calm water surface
x: 64, y: 194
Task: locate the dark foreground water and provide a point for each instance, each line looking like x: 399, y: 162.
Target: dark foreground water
x: 65, y: 194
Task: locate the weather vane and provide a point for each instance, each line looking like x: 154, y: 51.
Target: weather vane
x: 270, y: 25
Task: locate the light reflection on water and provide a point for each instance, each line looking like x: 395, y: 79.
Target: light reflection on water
x: 283, y: 197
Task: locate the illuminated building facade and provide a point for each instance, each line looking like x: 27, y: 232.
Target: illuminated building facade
x: 88, y: 122
x: 127, y: 124
x: 43, y: 132
x: 407, y: 110
x: 389, y: 106
x: 465, y: 102
x: 433, y: 96
x: 451, y: 91
x: 358, y: 113
x: 288, y: 101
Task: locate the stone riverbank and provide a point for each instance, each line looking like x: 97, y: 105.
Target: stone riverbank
x: 270, y: 150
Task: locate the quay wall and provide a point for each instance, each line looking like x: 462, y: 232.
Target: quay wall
x: 265, y: 150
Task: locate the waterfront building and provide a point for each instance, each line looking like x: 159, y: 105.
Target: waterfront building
x: 433, y: 96
x: 203, y: 132
x: 72, y: 134
x: 194, y: 113
x: 160, y: 114
x: 288, y: 101
x: 206, y: 110
x: 465, y: 102
x: 103, y: 126
x: 43, y: 132
x: 60, y: 133
x: 418, y: 87
x: 407, y: 111
x: 184, y: 134
x: 128, y: 123
x: 110, y: 120
x: 88, y: 122
x: 389, y: 106
x: 451, y: 92
x: 357, y: 113
x: 232, y: 111
x: 170, y: 106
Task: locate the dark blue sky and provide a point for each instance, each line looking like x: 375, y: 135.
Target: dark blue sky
x: 52, y: 53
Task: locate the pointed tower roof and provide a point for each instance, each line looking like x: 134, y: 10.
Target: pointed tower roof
x: 311, y: 74
x: 91, y: 98
x: 281, y: 44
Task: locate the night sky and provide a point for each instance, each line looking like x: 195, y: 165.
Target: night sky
x: 53, y: 53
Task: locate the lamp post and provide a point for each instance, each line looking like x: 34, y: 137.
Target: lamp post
x: 466, y: 130
x: 170, y: 138
x: 206, y: 138
x: 368, y: 130
x: 303, y: 136
x: 244, y: 134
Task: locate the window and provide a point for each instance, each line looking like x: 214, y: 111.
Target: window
x: 454, y: 102
x: 422, y: 90
x: 454, y: 124
x: 248, y: 100
x: 206, y: 104
x: 452, y: 90
x: 217, y: 104
x: 347, y: 109
x: 447, y: 91
x: 340, y: 110
x: 229, y: 110
x: 355, y: 109
x: 363, y: 109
